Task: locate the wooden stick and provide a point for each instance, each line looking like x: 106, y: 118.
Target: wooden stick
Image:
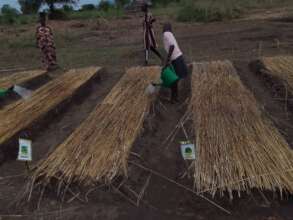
x: 10, y: 177
x: 39, y: 214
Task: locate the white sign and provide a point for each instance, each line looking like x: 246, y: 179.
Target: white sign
x: 187, y: 150
x: 25, y: 150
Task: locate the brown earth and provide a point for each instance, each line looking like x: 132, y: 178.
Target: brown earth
x: 239, y: 41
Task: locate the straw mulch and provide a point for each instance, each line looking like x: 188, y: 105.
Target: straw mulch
x: 19, y: 115
x: 280, y: 67
x: 237, y: 147
x: 98, y: 149
x: 18, y: 78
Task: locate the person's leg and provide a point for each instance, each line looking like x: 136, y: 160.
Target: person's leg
x: 180, y: 67
x: 174, y: 92
x: 156, y: 52
x: 146, y: 58
x: 146, y: 46
x: 45, y: 60
x: 52, y: 60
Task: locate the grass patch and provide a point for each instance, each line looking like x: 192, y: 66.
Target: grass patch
x: 19, y: 19
x: 91, y: 14
x: 170, y: 10
x: 212, y: 10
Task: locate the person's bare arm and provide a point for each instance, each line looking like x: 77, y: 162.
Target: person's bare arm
x: 171, y: 50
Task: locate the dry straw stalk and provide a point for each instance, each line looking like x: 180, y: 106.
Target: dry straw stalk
x: 21, y: 114
x: 18, y: 78
x: 237, y: 146
x: 280, y: 67
x: 98, y: 149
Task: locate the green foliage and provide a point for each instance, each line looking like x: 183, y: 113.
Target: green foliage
x: 164, y: 3
x: 68, y: 8
x: 207, y: 11
x: 93, y: 14
x: 88, y: 7
x: 121, y: 3
x: 29, y: 6
x: 218, y: 10
x: 7, y: 10
x: 8, y: 15
x: 58, y: 14
x: 105, y: 5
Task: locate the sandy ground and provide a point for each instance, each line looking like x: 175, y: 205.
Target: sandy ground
x: 240, y: 41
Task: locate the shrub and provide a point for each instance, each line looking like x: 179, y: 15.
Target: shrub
x: 207, y: 11
x: 88, y: 7
x: 68, y: 8
x: 105, y: 5
x: 158, y: 3
x: 9, y: 15
x: 58, y: 14
x: 121, y: 3
x: 29, y: 6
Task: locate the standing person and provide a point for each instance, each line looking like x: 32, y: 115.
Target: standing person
x: 174, y: 58
x: 148, y: 33
x: 45, y: 42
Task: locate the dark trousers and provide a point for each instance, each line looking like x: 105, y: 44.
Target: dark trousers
x: 180, y: 67
x: 174, y: 91
x: 182, y: 72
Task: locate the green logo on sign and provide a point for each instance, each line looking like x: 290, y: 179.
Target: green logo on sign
x: 24, y: 150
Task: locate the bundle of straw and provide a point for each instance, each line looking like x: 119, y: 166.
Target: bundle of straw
x: 20, y: 77
x: 280, y: 67
x: 237, y: 147
x: 98, y: 149
x: 19, y: 115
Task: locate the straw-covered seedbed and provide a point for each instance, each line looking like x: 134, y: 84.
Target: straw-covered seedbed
x: 99, y: 148
x: 21, y: 114
x: 19, y: 77
x: 237, y: 146
x: 280, y: 67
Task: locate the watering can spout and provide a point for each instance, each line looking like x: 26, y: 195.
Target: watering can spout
x: 23, y: 92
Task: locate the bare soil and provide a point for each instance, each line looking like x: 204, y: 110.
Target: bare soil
x: 239, y: 41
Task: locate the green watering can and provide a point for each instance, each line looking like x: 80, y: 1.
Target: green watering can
x: 168, y: 76
x: 22, y: 92
x: 3, y: 92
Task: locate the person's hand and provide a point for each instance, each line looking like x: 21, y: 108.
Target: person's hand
x: 10, y: 88
x: 167, y: 63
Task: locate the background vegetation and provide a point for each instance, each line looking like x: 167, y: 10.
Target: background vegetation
x: 182, y: 10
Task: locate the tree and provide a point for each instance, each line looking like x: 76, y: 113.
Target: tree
x: 121, y: 3
x: 7, y: 10
x: 29, y: 6
x: 32, y: 6
x: 104, y: 5
x: 51, y: 3
x: 8, y: 14
x: 88, y: 7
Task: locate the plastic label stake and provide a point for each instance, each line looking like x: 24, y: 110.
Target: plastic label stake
x: 187, y: 150
x: 25, y: 150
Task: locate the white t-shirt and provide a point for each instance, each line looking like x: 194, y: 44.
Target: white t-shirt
x: 169, y: 40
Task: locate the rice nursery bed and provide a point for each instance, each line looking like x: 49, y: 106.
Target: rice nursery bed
x: 237, y: 146
x: 98, y: 150
x: 278, y: 74
x: 19, y: 78
x: 22, y: 114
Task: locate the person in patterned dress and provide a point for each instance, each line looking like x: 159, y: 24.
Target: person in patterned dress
x: 45, y: 42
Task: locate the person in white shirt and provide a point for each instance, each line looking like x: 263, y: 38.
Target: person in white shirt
x: 174, y: 58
